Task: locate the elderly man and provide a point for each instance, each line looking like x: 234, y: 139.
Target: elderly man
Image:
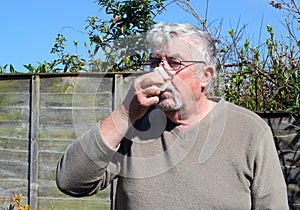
x: 171, y: 146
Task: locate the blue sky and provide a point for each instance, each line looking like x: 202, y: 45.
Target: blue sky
x: 28, y: 28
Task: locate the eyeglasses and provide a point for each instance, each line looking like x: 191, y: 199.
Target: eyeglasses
x: 174, y: 63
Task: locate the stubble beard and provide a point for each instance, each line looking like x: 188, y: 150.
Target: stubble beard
x: 169, y: 100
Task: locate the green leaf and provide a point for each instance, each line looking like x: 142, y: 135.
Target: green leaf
x: 231, y: 32
x: 11, y: 69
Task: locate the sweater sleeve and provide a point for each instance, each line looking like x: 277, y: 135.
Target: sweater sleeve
x: 86, y: 166
x: 268, y: 187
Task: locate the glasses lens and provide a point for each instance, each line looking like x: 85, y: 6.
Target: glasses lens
x: 174, y: 64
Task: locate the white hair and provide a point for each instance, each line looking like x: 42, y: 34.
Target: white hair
x: 162, y: 32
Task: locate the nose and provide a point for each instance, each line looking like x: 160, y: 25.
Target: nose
x: 166, y: 67
x: 163, y: 69
x: 165, y: 74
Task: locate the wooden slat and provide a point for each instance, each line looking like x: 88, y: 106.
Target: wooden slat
x: 34, y: 134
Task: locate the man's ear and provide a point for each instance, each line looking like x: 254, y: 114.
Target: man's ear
x: 207, y: 75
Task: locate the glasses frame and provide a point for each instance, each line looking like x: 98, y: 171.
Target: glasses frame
x: 175, y: 69
x: 181, y: 63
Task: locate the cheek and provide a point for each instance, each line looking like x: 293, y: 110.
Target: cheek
x: 192, y: 80
x: 188, y: 84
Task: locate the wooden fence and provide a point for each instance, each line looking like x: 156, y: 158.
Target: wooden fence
x: 41, y: 114
x: 286, y: 132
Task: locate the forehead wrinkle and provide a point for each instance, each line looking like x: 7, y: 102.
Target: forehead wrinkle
x: 192, y: 44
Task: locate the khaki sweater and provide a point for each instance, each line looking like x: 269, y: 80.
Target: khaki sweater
x: 227, y: 161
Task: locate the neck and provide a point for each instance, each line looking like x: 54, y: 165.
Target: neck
x: 190, y: 115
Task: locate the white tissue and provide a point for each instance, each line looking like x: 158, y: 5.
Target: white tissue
x: 166, y: 77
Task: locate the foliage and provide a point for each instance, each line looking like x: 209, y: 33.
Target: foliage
x: 121, y: 37
x: 264, y: 77
x: 44, y: 67
x: 71, y: 62
x: 4, y: 68
x: 259, y: 84
x: 66, y: 62
x: 15, y: 203
x: 120, y: 40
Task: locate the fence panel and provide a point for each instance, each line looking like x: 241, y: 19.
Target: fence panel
x: 40, y: 116
x: 69, y: 106
x: 15, y: 99
x: 286, y: 132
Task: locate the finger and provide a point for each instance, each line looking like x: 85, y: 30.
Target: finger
x: 148, y: 97
x: 152, y: 91
x: 150, y: 101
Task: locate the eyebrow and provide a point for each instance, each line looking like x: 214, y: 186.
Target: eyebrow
x: 174, y: 56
